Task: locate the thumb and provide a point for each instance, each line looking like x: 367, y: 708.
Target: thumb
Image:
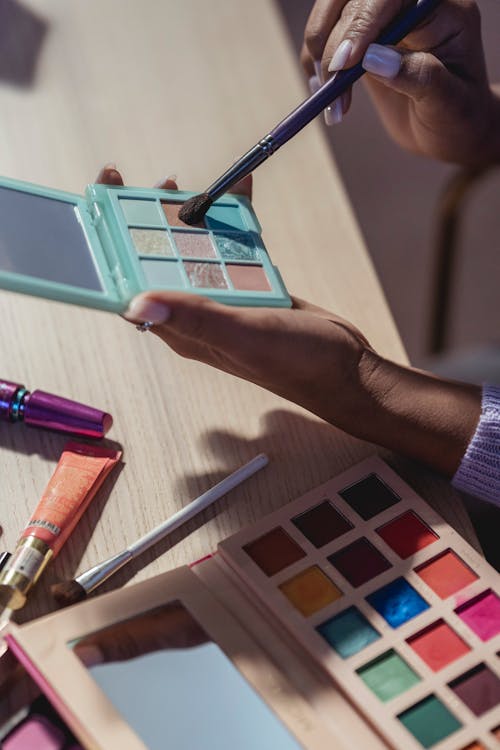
x: 418, y: 75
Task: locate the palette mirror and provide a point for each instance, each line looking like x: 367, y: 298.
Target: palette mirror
x: 176, y: 688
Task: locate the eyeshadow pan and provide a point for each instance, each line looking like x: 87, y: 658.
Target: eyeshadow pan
x: 36, y: 732
x: 359, y: 562
x: 388, y: 675
x: 482, y: 615
x: 151, y: 242
x: 225, y: 218
x: 348, y: 632
x: 429, y: 721
x: 205, y: 275
x: 248, y: 278
x: 161, y: 273
x: 236, y: 246
x: 322, y: 524
x: 397, y: 602
x: 274, y: 551
x: 310, y: 590
x: 474, y: 746
x: 171, y: 211
x: 141, y: 211
x: 446, y: 574
x: 407, y: 534
x: 193, y: 244
x: 479, y: 689
x: 369, y: 497
x: 438, y: 645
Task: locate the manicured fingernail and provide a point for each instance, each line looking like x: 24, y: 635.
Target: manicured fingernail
x: 90, y: 655
x: 333, y: 113
x: 341, y: 56
x: 144, y: 310
x: 164, y: 180
x: 319, y: 71
x: 110, y: 165
x: 314, y: 84
x: 382, y: 61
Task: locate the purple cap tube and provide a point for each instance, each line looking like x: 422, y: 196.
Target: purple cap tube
x: 40, y: 409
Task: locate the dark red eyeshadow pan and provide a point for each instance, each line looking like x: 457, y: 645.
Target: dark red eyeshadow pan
x: 274, y: 551
x: 479, y: 689
x: 359, y: 562
x: 407, y: 534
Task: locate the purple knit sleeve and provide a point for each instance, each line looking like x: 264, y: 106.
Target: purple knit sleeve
x: 479, y: 470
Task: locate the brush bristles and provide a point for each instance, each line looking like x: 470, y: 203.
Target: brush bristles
x: 68, y: 592
x: 193, y: 211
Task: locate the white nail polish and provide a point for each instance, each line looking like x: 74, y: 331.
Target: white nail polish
x: 340, y: 56
x: 333, y: 113
x: 146, y: 310
x: 164, y: 179
x: 382, y: 61
x: 319, y: 72
x: 314, y: 84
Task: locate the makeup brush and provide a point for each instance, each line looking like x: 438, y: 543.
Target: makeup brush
x: 70, y: 592
x: 195, y: 208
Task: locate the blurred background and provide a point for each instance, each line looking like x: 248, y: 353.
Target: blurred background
x: 395, y: 197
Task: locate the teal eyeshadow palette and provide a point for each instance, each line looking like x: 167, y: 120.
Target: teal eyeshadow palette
x: 102, y: 249
x: 400, y: 611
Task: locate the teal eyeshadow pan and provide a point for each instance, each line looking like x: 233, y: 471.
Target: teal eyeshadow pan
x: 105, y: 247
x: 429, y: 721
x: 348, y: 632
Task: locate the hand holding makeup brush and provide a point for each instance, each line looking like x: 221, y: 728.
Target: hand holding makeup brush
x: 431, y: 91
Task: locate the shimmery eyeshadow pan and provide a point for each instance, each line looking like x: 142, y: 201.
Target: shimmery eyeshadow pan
x: 482, y: 615
x: 438, y: 645
x: 238, y: 247
x: 407, y: 534
x: 429, y: 721
x: 274, y: 551
x: 248, y: 278
x: 193, y: 245
x: 369, y: 496
x: 397, y: 602
x: 359, y: 562
x: 479, y: 689
x: 348, y: 632
x: 310, y: 590
x: 388, y: 675
x: 151, y: 242
x: 446, y: 574
x: 322, y: 524
x: 205, y: 275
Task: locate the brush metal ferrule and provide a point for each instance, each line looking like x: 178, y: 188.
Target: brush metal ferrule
x: 93, y: 577
x: 22, y: 571
x: 248, y: 162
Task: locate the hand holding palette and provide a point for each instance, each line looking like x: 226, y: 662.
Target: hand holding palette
x: 102, y: 249
x: 356, y: 613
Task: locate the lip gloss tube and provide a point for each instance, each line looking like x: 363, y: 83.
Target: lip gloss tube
x: 80, y: 472
x: 41, y: 409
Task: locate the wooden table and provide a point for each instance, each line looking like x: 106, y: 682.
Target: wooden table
x: 174, y: 87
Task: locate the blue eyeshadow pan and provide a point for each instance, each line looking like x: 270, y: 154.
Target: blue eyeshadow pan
x: 397, y: 602
x: 236, y: 246
x: 225, y: 218
x: 348, y: 632
x: 161, y: 273
x: 142, y: 212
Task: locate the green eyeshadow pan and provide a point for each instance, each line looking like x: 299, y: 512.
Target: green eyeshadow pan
x: 151, y: 242
x: 145, y: 212
x: 388, y: 675
x: 236, y: 247
x: 429, y: 721
x: 160, y: 274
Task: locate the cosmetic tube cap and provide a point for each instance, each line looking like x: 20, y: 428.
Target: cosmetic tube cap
x: 22, y: 571
x: 41, y: 409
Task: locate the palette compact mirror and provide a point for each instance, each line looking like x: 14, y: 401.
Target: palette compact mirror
x: 102, y: 249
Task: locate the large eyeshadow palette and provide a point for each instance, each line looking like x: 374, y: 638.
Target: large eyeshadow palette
x: 102, y: 249
x: 399, y: 610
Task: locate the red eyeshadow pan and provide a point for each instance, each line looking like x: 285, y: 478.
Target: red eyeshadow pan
x: 446, y: 574
x: 438, y: 645
x: 274, y: 551
x: 407, y: 534
x: 359, y: 562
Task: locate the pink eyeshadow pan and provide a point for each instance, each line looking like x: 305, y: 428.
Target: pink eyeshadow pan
x: 482, y: 615
x: 36, y: 732
x: 248, y: 278
x: 171, y: 211
x: 193, y: 244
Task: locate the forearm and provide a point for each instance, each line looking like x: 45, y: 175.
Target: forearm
x: 417, y: 414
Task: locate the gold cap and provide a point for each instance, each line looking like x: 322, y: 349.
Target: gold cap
x: 23, y: 571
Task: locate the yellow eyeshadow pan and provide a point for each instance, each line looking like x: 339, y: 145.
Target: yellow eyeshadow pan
x: 310, y: 590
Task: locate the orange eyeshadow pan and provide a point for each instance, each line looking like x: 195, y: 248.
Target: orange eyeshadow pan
x: 446, y: 574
